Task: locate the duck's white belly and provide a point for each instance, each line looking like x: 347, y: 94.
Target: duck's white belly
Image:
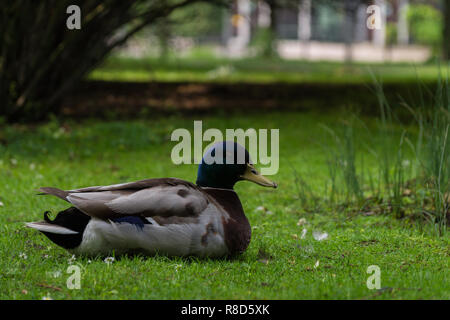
x: 201, y: 236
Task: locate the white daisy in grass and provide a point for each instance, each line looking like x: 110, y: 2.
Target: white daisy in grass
x: 23, y: 255
x: 319, y: 236
x: 263, y: 209
x: 177, y: 266
x: 109, y: 260
x: 260, y: 208
x: 47, y: 298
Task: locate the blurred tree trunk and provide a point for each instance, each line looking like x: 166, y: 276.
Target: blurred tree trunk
x: 270, y: 48
x: 41, y: 59
x: 163, y: 32
x: 349, y: 24
x: 350, y: 11
x: 273, y: 15
x: 446, y: 35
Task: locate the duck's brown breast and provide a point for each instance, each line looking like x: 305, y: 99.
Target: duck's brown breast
x: 237, y: 230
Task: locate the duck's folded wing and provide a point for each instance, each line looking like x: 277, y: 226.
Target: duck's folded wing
x: 152, y: 197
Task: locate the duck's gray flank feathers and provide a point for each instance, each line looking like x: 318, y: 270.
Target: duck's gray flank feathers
x: 166, y: 197
x: 136, y: 185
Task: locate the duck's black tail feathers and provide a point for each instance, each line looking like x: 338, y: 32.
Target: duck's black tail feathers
x: 66, y: 230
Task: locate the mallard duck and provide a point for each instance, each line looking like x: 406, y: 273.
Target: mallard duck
x: 165, y: 215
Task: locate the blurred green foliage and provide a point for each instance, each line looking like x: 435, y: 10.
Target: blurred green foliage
x: 263, y: 43
x: 425, y: 23
x: 198, y: 20
x: 201, y: 64
x: 391, y: 33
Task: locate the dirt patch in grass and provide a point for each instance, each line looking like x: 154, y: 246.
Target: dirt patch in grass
x: 104, y: 98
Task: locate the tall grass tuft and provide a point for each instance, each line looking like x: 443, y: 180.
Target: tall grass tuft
x: 435, y: 122
x: 342, y: 168
x: 409, y: 165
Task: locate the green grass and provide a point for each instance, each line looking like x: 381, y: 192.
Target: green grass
x: 414, y: 261
x: 257, y: 70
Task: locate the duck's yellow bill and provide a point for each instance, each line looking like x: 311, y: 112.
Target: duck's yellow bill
x: 251, y: 174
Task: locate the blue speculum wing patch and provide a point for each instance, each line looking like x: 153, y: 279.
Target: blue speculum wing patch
x: 137, y: 221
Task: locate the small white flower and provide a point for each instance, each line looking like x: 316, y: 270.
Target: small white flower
x: 47, y: 298
x: 406, y: 163
x: 32, y: 166
x: 301, y: 221
x: 14, y: 162
x: 303, y: 235
x: 316, y: 264
x: 109, y: 260
x: 177, y: 266
x: 23, y: 256
x: 89, y: 261
x: 1, y: 204
x: 319, y: 236
x: 46, y: 256
x: 263, y: 209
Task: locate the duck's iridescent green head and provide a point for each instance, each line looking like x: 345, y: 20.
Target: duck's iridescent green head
x: 226, y: 163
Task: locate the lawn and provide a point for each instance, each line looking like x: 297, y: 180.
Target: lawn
x: 257, y: 70
x: 279, y: 263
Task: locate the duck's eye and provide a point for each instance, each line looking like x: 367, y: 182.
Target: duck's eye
x: 254, y: 171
